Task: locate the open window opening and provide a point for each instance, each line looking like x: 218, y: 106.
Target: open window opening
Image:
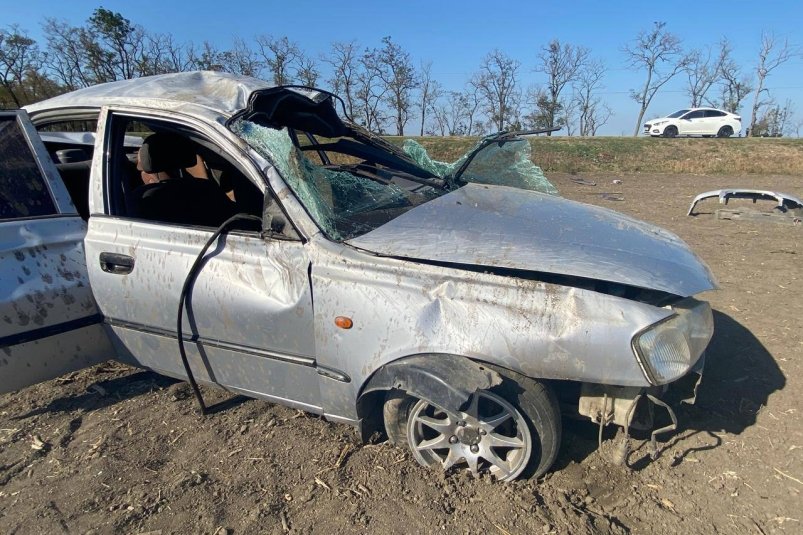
x: 169, y: 173
x: 71, y: 143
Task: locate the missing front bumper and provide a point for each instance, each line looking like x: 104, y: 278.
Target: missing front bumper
x: 624, y: 406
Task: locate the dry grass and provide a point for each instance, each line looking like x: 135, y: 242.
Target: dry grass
x: 766, y: 156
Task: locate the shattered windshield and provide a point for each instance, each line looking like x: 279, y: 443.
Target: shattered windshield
x: 507, y: 163
x: 345, y: 200
x: 351, y: 181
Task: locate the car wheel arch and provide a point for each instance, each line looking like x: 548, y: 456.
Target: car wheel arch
x: 725, y: 131
x: 446, y: 379
x: 385, y: 412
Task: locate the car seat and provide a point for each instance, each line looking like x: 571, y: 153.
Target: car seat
x: 177, y: 197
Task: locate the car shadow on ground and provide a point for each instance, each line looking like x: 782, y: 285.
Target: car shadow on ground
x: 104, y: 393
x: 738, y: 379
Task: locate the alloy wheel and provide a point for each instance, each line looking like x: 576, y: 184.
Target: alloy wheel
x: 490, y: 436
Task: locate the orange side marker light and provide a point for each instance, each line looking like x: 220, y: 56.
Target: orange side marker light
x: 343, y: 322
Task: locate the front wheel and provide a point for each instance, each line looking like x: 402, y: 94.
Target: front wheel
x: 509, y: 431
x: 670, y: 131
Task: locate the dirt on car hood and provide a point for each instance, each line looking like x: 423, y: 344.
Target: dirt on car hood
x: 504, y: 227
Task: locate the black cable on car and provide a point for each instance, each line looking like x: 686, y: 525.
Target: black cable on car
x: 191, y: 276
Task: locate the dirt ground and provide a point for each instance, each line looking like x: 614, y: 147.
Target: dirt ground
x: 118, y: 450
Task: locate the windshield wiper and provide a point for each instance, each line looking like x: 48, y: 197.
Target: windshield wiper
x: 500, y: 138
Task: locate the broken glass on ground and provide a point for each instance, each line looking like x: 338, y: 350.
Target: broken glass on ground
x: 505, y: 163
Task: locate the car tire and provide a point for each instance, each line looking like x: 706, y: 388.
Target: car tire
x: 670, y: 131
x: 725, y: 131
x: 512, y: 430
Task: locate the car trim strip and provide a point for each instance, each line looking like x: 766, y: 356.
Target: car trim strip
x: 50, y: 330
x: 218, y: 344
x: 331, y: 373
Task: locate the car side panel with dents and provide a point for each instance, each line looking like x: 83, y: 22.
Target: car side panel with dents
x: 250, y: 308
x: 46, y: 305
x: 49, y: 322
x: 401, y: 308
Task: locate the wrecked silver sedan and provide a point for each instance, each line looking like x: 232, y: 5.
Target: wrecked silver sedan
x: 216, y: 230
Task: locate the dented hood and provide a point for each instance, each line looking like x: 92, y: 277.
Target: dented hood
x: 498, y: 226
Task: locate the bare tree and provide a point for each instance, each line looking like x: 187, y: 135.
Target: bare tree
x: 734, y: 87
x: 19, y: 57
x: 279, y: 56
x: 568, y: 115
x: 473, y: 99
x: 659, y: 53
x: 428, y: 90
x: 497, y: 84
x: 451, y: 112
x: 591, y: 113
x: 240, y: 59
x: 344, y: 61
x: 776, y: 121
x: 560, y: 63
x: 797, y: 126
x: 599, y: 117
x: 65, y: 58
x: 369, y: 92
x: 163, y: 55
x: 207, y: 58
x: 396, y: 70
x: 704, y: 69
x: 108, y: 48
x: 771, y: 55
x: 307, y: 71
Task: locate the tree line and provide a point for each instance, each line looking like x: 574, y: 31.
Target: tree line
x: 385, y: 90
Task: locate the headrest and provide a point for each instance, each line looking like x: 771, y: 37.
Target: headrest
x: 163, y: 152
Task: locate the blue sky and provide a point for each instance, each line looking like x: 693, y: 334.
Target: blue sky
x: 456, y: 35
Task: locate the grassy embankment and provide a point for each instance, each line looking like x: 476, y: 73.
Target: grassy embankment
x: 766, y: 156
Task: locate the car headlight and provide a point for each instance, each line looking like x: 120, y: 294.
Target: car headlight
x: 659, y: 123
x: 668, y: 349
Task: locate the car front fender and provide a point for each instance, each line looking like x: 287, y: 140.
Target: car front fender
x: 446, y: 380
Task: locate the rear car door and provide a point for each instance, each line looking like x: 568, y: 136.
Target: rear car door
x: 714, y: 120
x: 49, y: 322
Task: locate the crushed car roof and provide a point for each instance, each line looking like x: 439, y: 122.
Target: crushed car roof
x: 207, y: 93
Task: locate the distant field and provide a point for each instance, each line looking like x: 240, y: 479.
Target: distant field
x: 651, y: 155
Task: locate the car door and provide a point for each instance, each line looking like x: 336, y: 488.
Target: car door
x: 248, y: 320
x: 50, y: 322
x: 692, y: 123
x: 714, y: 120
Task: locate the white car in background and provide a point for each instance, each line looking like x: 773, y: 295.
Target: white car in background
x: 706, y: 122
